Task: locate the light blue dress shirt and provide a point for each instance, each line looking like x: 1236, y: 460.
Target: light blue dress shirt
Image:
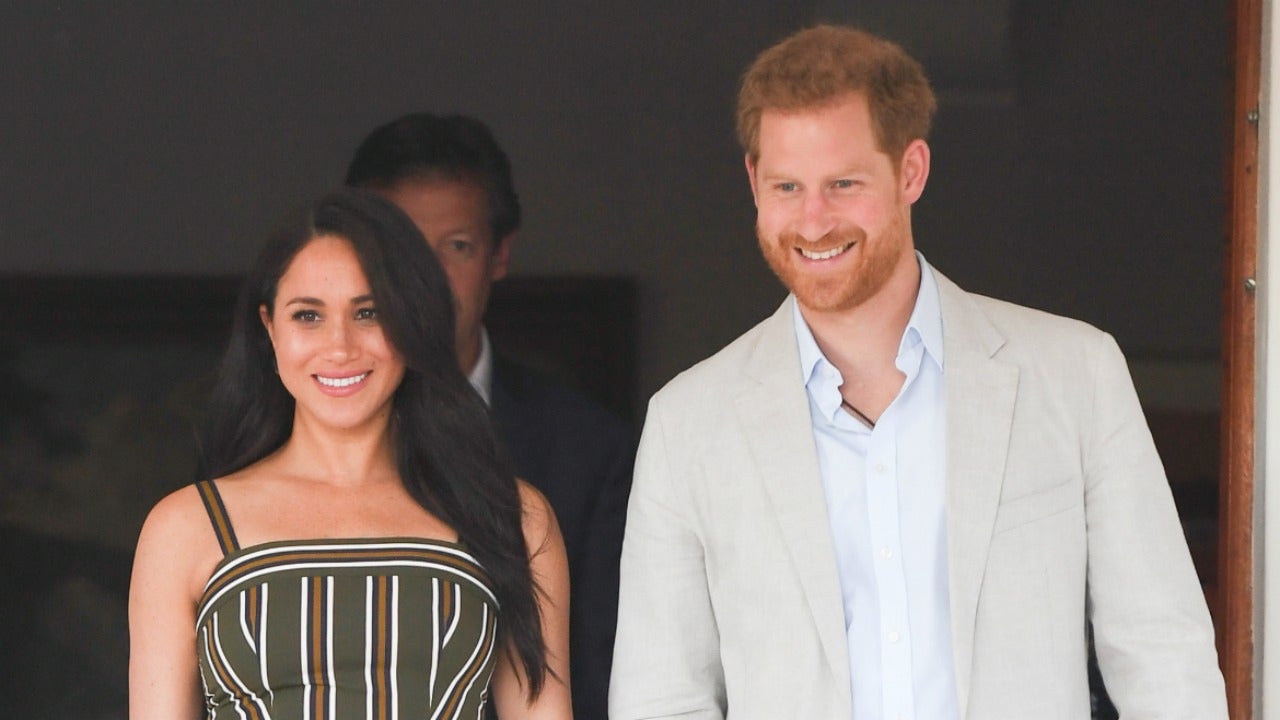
x: 885, y: 490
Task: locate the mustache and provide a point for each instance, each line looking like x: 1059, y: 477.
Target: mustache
x: 839, y: 237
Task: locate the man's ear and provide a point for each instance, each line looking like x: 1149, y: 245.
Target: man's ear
x: 500, y: 260
x: 914, y: 170
x: 751, y: 177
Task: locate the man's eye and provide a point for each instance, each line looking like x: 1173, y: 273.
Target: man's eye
x: 843, y: 184
x: 786, y: 187
x: 460, y: 246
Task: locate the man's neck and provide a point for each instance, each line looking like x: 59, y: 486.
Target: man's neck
x: 480, y: 371
x: 862, y: 342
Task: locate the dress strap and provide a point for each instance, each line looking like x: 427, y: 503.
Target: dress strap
x: 218, y: 516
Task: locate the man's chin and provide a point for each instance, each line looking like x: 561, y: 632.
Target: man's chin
x: 827, y: 300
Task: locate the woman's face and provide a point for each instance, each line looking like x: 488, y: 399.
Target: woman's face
x: 331, y: 352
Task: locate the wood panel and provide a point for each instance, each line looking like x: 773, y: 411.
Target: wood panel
x: 1235, y: 618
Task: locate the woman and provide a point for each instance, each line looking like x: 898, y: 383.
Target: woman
x: 364, y: 550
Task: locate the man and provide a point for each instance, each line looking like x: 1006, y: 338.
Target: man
x: 894, y: 499
x: 451, y: 177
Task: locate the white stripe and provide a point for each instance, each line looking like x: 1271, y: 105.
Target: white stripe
x: 239, y: 684
x: 267, y: 549
x: 393, y: 702
x: 475, y: 652
x: 368, y: 647
x: 470, y: 579
x: 494, y: 632
x: 262, y: 645
x: 457, y: 602
x: 435, y: 639
x: 302, y: 650
x: 213, y: 673
x: 328, y: 648
x: 244, y: 620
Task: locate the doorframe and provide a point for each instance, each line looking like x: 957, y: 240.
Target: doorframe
x: 1235, y: 582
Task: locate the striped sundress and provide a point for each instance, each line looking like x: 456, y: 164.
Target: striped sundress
x: 369, y: 629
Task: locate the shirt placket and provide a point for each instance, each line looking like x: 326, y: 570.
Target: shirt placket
x: 897, y: 693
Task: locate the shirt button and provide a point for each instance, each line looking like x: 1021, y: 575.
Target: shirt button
x: 880, y: 467
x: 886, y: 553
x: 893, y: 636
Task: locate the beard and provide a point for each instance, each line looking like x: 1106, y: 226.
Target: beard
x: 872, y: 263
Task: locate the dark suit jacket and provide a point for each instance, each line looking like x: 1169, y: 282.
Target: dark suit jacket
x: 580, y: 456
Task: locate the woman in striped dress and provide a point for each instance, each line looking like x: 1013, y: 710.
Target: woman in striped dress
x: 361, y: 549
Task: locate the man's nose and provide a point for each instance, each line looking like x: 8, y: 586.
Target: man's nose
x: 816, y: 217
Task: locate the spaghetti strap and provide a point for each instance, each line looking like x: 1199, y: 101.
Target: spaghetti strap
x: 218, y: 516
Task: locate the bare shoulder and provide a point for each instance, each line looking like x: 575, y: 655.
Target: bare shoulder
x: 539, y: 520
x: 178, y: 516
x: 177, y: 543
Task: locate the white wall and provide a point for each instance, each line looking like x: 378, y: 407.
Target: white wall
x: 1267, y: 433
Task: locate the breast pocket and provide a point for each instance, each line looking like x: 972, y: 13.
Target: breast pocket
x: 1039, y: 505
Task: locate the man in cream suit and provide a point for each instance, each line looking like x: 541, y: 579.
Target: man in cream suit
x: 894, y: 499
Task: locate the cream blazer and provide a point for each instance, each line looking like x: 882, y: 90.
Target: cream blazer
x: 1058, y: 513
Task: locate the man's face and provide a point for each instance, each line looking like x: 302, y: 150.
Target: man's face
x: 833, y: 211
x: 454, y: 217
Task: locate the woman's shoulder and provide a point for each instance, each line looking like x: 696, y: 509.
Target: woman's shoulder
x: 177, y: 541
x: 175, y: 513
x: 185, y: 510
x: 538, y: 520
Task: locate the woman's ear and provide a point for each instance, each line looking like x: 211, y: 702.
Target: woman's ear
x: 265, y: 316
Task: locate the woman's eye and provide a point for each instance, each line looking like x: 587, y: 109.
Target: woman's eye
x: 306, y: 316
x: 367, y: 314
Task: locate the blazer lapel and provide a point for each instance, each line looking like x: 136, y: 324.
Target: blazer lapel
x: 774, y: 410
x: 980, y: 393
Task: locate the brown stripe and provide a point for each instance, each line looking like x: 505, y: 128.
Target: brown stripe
x: 318, y: 678
x: 218, y: 516
x: 224, y: 674
x: 291, y: 555
x: 382, y: 651
x: 446, y: 608
x: 253, y: 607
x: 454, y: 702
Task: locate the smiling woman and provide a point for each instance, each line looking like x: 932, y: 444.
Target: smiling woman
x: 328, y: 340
x: 353, y: 482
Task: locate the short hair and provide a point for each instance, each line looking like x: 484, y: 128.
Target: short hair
x: 423, y: 146
x: 815, y: 67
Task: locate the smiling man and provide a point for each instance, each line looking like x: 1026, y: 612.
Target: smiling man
x: 894, y: 499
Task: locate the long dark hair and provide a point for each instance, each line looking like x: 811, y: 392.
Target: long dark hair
x: 445, y: 448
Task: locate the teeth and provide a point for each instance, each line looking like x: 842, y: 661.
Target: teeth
x: 825, y: 254
x: 341, y: 382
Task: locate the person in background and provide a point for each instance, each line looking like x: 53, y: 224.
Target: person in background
x: 359, y: 547
x: 451, y: 176
x: 893, y: 498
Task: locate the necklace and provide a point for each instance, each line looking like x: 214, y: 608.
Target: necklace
x: 857, y: 413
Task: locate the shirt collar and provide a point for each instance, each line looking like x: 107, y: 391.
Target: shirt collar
x: 481, y: 376
x: 926, y: 317
x: 924, y: 325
